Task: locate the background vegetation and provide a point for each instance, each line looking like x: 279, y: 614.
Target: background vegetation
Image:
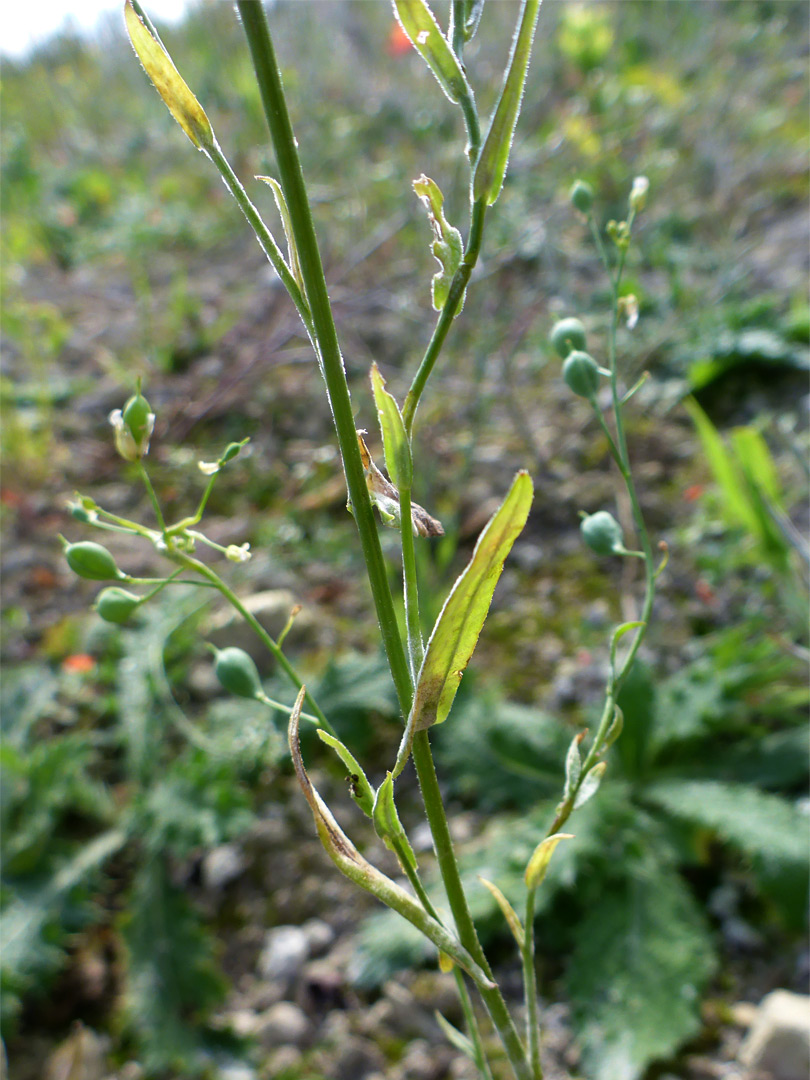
x: 123, y: 768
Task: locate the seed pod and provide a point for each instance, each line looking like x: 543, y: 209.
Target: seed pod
x: 237, y: 672
x: 567, y: 335
x: 582, y: 196
x: 602, y: 533
x: 581, y: 374
x: 115, y: 605
x: 91, y: 561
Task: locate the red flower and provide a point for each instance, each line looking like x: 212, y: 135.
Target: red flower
x: 79, y: 662
x: 398, y: 41
x: 693, y: 492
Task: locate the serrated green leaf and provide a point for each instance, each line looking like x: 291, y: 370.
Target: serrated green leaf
x: 419, y: 23
x: 461, y: 620
x: 362, y: 791
x: 387, y: 824
x: 447, y: 246
x: 491, y: 168
x: 168, y: 82
x: 395, y: 439
x: 642, y: 956
x: 763, y: 826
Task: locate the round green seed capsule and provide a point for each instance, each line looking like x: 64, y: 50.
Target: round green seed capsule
x: 115, y: 605
x: 567, y: 335
x: 138, y: 417
x: 582, y: 196
x: 602, y: 533
x: 237, y: 673
x: 581, y: 374
x: 91, y: 561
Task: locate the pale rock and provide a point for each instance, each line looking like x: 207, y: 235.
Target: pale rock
x: 284, y: 954
x: 779, y: 1041
x: 283, y: 1024
x: 222, y: 865
x: 319, y: 934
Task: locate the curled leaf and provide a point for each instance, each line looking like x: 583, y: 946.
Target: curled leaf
x: 386, y: 498
x: 590, y: 785
x: 541, y: 857
x: 447, y: 246
x: 387, y: 823
x: 362, y: 791
x: 351, y: 863
x: 168, y: 82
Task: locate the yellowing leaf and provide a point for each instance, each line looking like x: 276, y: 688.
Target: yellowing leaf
x: 508, y: 911
x: 419, y: 23
x: 168, y: 82
x: 461, y: 619
x: 491, y: 167
x: 541, y: 857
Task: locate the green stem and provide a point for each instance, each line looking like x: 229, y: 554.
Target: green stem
x: 448, y: 313
x: 272, y: 647
x: 291, y: 177
x: 152, y: 496
x: 472, y: 1025
x: 263, y: 234
x: 448, y: 866
x: 530, y: 989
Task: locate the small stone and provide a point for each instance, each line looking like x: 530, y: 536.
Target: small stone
x: 356, y: 1058
x: 284, y: 953
x: 779, y: 1041
x: 244, y: 1023
x: 283, y: 1024
x: 286, y: 1059
x: 236, y: 1071
x: 222, y: 865
x: 319, y: 934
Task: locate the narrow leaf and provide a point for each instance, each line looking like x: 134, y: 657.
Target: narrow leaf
x: 387, y: 823
x: 507, y: 910
x: 538, y: 865
x: 419, y: 23
x: 395, y: 439
x: 447, y: 246
x: 168, y: 82
x: 473, y: 10
x: 286, y: 224
x: 573, y: 765
x: 491, y: 167
x: 362, y: 791
x: 455, y: 1037
x: 725, y: 469
x: 357, y: 869
x: 462, y: 618
x: 590, y: 785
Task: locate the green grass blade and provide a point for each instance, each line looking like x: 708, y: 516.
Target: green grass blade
x: 419, y: 23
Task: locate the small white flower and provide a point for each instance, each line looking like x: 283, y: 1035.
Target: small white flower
x: 638, y: 193
x: 631, y: 310
x: 208, y: 468
x: 124, y: 443
x: 237, y: 552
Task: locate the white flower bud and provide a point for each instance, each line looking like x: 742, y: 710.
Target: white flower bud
x: 638, y: 193
x: 238, y: 552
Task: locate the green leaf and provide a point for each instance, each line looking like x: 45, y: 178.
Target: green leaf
x: 387, y: 823
x: 642, y: 956
x: 286, y: 224
x: 590, y: 784
x: 491, y: 168
x: 509, y: 913
x: 168, y: 82
x: 462, y: 618
x: 763, y: 826
x: 362, y: 791
x: 447, y: 246
x: 419, y: 23
x: 455, y: 1037
x: 395, y: 439
x: 726, y: 471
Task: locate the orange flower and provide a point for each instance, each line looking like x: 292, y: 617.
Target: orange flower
x: 693, y: 492
x: 79, y: 662
x: 398, y: 41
